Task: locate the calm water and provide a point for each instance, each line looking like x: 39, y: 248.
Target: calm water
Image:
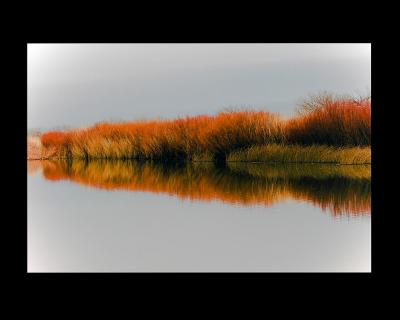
x: 111, y: 216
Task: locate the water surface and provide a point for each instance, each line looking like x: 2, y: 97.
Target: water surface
x: 128, y: 216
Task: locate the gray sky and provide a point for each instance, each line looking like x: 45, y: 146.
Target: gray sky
x: 81, y: 84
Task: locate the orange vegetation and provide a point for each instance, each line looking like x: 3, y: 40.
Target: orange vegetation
x: 34, y: 148
x: 338, y: 123
x: 340, y: 190
x: 167, y: 139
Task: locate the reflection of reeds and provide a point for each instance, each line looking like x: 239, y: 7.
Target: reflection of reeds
x: 339, y: 189
x: 297, y: 171
x: 34, y: 167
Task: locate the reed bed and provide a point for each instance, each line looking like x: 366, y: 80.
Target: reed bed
x: 236, y: 136
x: 193, y: 137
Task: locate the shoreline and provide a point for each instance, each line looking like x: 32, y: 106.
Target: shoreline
x: 270, y: 154
x: 199, y: 161
x: 202, y: 161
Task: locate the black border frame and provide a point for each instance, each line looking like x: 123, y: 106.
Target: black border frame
x: 379, y: 175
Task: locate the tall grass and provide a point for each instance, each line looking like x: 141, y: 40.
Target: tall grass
x: 169, y: 139
x: 303, y: 154
x: 336, y: 123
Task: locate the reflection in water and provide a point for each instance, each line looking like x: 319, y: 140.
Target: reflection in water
x: 34, y: 167
x: 338, y: 189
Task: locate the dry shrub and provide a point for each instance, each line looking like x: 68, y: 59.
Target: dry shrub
x: 337, y: 123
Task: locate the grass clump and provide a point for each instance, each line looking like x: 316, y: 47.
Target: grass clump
x: 303, y: 154
x: 332, y: 121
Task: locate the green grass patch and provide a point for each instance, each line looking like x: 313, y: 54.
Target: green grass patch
x: 302, y: 154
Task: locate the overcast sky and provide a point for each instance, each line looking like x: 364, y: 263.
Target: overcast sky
x: 81, y: 84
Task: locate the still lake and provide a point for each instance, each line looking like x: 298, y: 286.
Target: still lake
x: 127, y: 216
